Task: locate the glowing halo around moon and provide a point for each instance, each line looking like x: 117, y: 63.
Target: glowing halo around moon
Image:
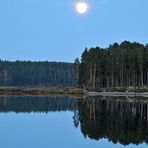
x: 82, y: 7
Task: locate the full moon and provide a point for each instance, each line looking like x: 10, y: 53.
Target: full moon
x: 82, y: 7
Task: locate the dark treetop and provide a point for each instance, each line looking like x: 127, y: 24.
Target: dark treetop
x: 22, y: 73
x: 119, y: 65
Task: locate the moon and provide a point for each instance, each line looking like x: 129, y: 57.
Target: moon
x: 82, y: 7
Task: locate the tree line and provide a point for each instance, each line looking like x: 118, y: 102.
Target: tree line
x: 27, y: 73
x: 119, y: 65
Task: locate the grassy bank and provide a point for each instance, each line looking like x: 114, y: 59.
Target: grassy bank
x: 116, y: 91
x: 40, y: 91
x: 136, y: 89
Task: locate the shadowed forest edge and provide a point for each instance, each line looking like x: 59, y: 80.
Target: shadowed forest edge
x: 120, y: 67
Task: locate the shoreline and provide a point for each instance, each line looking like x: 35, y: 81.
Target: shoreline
x: 118, y: 94
x: 67, y: 91
x: 40, y: 91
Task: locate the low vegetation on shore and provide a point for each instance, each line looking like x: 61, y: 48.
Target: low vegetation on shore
x: 40, y: 91
x: 135, y: 89
x: 77, y: 92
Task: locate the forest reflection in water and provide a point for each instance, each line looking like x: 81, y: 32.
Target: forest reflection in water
x: 119, y: 120
x: 123, y: 120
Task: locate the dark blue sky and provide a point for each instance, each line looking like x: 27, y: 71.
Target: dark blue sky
x: 52, y: 30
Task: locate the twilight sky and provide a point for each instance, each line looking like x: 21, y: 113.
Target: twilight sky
x: 52, y: 30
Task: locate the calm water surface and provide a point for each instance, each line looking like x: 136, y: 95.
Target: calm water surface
x: 63, y: 122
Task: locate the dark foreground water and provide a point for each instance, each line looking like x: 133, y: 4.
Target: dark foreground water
x: 55, y: 122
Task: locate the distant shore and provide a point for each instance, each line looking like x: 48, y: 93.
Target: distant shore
x: 40, y: 91
x: 65, y: 91
x: 118, y: 94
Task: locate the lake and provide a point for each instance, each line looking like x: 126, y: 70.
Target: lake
x: 65, y: 122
